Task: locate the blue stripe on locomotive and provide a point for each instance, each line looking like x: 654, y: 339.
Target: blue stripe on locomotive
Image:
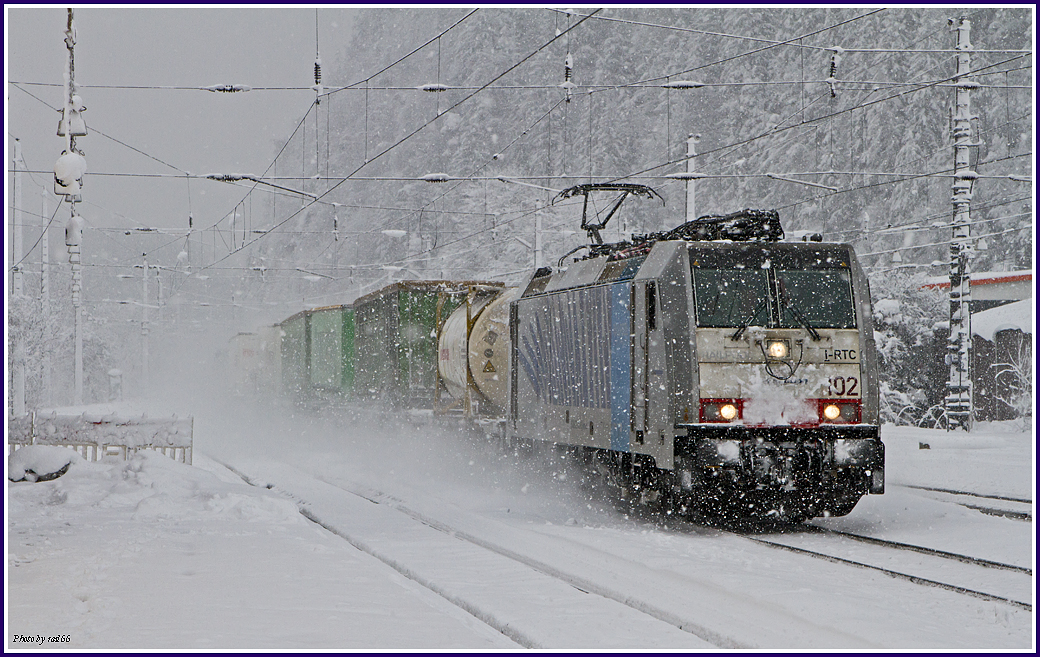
x: 574, y: 348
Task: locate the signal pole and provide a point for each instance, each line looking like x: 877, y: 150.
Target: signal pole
x: 68, y: 181
x: 144, y: 324
x: 958, y: 400
x: 17, y: 291
x: 45, y: 301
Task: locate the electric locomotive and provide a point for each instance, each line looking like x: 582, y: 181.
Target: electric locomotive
x: 714, y: 366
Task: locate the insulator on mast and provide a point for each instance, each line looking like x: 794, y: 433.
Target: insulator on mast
x: 318, y: 88
x: 833, y: 77
x: 568, y: 72
x: 75, y: 118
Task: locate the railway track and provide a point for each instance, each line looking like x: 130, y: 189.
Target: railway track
x: 961, y: 492
x: 1013, y: 583
x: 1019, y: 582
x: 1012, y: 586
x: 506, y: 590
x: 602, y: 576
x: 1014, y: 508
x: 984, y: 563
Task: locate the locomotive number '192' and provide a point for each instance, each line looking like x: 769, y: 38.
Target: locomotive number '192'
x: 840, y: 386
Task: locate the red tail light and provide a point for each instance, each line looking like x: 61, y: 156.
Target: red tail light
x: 839, y: 411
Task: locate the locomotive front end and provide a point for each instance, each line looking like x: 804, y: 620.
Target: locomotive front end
x: 785, y: 415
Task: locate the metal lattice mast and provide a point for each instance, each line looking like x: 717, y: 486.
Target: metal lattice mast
x: 958, y: 400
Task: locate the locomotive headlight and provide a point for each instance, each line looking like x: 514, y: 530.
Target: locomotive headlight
x: 776, y: 349
x: 720, y: 410
x: 831, y: 412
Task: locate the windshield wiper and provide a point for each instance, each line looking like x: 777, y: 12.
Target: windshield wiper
x: 798, y: 316
x: 747, y: 322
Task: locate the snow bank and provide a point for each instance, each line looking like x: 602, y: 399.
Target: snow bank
x: 152, y: 554
x: 149, y: 486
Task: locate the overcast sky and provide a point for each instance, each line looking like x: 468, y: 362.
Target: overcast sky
x: 196, y: 131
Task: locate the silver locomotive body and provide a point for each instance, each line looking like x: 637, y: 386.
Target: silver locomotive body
x: 732, y: 377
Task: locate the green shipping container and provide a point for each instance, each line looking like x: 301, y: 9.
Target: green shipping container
x: 396, y: 347
x: 318, y: 354
x: 331, y: 361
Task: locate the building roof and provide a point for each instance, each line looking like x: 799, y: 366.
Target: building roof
x: 1018, y: 315
x: 982, y: 278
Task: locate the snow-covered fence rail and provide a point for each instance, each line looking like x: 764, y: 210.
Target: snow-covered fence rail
x: 19, y: 431
x: 95, y: 436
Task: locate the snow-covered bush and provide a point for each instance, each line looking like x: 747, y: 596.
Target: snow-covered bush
x: 911, y: 347
x: 36, y: 334
x: 1015, y: 375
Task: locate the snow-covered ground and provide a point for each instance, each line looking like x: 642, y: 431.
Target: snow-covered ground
x: 414, y: 537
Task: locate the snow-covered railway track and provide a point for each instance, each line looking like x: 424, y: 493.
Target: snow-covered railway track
x: 961, y: 492
x: 1014, y: 508
x: 977, y: 561
x: 680, y: 586
x: 959, y: 573
x: 528, y: 601
x: 581, y: 583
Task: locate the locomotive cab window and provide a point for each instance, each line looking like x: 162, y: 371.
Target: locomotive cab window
x: 774, y: 297
x: 731, y: 297
x: 822, y: 298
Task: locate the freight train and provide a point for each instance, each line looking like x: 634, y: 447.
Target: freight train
x: 715, y: 369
